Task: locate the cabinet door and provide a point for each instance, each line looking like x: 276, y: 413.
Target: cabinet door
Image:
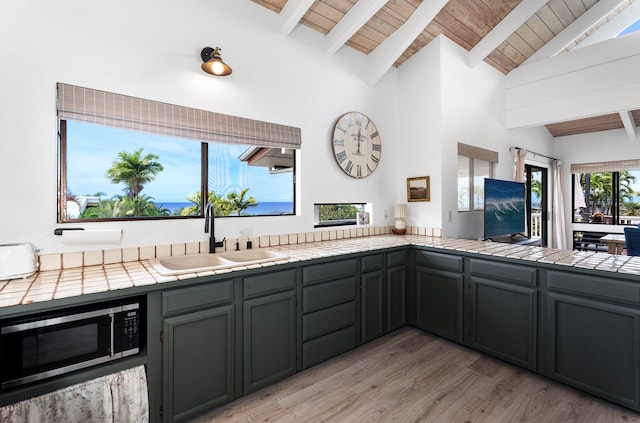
x: 372, y: 306
x: 439, y: 308
x: 396, y: 297
x: 269, y: 339
x: 595, y: 347
x: 197, y: 362
x: 503, y: 321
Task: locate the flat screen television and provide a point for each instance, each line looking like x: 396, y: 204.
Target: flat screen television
x: 504, y: 208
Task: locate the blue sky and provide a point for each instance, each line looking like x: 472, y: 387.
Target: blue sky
x: 91, y: 150
x: 634, y: 27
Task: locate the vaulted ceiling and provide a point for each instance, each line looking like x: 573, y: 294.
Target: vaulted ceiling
x: 503, y: 33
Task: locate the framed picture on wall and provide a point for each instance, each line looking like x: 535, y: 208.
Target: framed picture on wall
x: 418, y: 189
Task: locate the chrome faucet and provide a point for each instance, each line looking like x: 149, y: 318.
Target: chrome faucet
x: 209, y: 215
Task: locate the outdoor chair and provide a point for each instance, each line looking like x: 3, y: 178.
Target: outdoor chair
x: 632, y: 240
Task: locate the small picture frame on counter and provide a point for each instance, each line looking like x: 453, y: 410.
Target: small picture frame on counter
x: 363, y: 218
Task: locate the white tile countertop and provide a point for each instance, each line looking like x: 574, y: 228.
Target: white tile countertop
x: 54, y: 284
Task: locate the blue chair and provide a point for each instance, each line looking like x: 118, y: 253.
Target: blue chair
x: 632, y: 241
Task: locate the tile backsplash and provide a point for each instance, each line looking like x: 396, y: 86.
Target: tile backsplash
x: 129, y: 254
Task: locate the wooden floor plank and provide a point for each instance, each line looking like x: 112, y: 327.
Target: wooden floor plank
x: 412, y: 376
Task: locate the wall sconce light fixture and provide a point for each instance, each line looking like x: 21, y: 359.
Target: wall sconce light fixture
x: 213, y: 63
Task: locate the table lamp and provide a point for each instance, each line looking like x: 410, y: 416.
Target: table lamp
x: 400, y: 213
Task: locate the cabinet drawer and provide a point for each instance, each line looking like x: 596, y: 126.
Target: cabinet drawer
x: 439, y: 261
x: 269, y: 283
x: 321, y: 349
x: 327, y: 271
x: 328, y: 294
x: 594, y: 286
x: 396, y: 258
x: 328, y: 320
x: 369, y: 263
x: 503, y: 271
x: 193, y: 298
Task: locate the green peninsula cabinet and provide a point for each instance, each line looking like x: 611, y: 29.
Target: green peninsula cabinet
x: 502, y: 314
x: 197, y: 349
x: 329, y: 310
x: 439, y: 284
x: 269, y: 328
x: 594, y: 335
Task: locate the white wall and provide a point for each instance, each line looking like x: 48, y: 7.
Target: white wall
x: 152, y: 50
x: 444, y: 102
x: 420, y: 133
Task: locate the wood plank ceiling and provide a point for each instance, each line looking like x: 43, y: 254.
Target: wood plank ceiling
x: 468, y: 22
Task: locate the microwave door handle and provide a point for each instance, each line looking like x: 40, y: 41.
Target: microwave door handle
x: 112, y: 350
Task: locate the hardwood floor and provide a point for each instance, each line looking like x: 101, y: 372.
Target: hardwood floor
x: 412, y: 376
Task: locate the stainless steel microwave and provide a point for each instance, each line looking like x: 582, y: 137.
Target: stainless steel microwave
x: 53, y: 343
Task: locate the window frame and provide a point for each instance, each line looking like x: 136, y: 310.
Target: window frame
x: 474, y: 153
x: 333, y: 223
x: 470, y: 183
x: 615, y: 197
x: 204, y: 186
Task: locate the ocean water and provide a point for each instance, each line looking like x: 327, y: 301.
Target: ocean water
x: 504, y: 217
x: 264, y: 208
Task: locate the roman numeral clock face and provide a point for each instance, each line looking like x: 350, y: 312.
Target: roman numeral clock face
x: 356, y: 145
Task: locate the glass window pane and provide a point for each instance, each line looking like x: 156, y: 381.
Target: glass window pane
x: 464, y: 196
x: 116, y: 173
x: 598, y: 187
x: 251, y: 181
x: 629, y: 195
x: 481, y: 170
x: 338, y: 214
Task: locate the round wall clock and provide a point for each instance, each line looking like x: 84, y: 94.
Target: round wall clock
x: 357, y: 146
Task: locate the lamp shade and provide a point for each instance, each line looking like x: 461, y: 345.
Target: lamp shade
x: 400, y: 212
x: 213, y: 63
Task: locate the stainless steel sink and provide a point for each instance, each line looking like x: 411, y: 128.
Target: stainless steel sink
x: 194, y: 263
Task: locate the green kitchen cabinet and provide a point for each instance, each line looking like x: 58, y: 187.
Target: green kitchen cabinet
x: 439, y: 284
x: 396, y: 292
x: 372, y: 297
x: 198, y: 362
x: 502, y: 317
x: 329, y: 310
x: 269, y: 328
x: 382, y: 293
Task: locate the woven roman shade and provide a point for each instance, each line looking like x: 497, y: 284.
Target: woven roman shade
x: 613, y: 166
x: 477, y: 153
x: 121, y: 111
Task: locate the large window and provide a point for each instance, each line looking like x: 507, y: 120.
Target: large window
x: 610, y: 197
x: 474, y: 165
x: 147, y: 162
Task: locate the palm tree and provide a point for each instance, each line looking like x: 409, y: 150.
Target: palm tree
x: 134, y: 171
x: 195, y: 207
x: 238, y: 203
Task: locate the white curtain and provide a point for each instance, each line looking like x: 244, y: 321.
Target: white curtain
x: 559, y: 238
x: 578, y: 193
x: 518, y: 174
x: 119, y: 397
